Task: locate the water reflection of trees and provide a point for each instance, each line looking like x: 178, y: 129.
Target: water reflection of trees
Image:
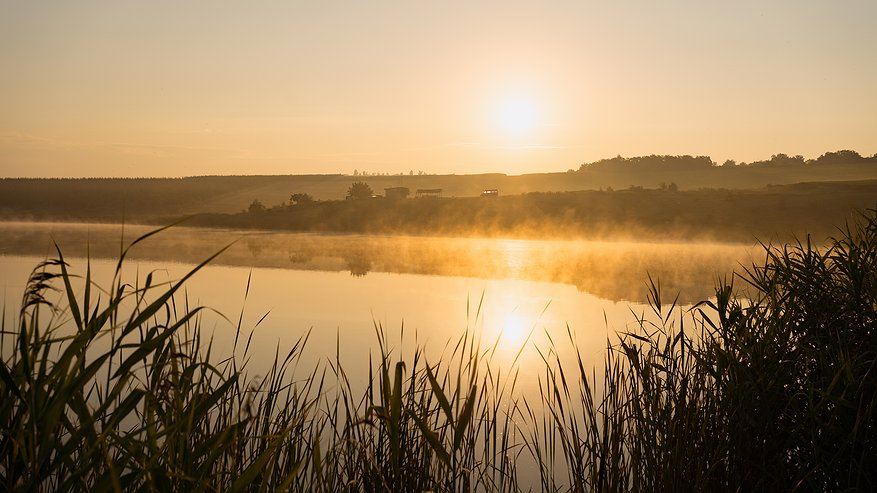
x: 358, y: 264
x: 254, y: 246
x: 611, y: 270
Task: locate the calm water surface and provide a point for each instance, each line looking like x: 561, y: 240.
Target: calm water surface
x: 423, y: 292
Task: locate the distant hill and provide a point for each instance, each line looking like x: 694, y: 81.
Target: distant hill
x: 140, y: 199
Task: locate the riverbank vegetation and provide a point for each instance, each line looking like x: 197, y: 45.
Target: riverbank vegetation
x: 768, y: 386
x: 662, y: 213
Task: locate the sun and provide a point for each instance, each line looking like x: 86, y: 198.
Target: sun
x: 516, y: 116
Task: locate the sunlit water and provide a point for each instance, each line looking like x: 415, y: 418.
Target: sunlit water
x: 422, y: 292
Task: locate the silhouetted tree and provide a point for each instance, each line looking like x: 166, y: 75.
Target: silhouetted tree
x: 845, y: 156
x: 359, y: 190
x: 786, y: 160
x: 256, y: 207
x: 301, y: 199
x: 780, y: 160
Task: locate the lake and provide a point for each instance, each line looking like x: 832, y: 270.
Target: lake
x: 420, y: 291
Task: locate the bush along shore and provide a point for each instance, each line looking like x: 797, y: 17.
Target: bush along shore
x: 768, y: 386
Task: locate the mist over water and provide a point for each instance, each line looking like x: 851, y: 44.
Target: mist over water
x: 614, y: 270
x: 421, y: 291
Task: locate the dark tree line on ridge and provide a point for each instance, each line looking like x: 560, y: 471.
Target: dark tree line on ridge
x: 686, y: 162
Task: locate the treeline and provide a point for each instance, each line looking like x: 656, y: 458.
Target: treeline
x: 654, y: 161
x: 718, y: 214
x: 691, y: 163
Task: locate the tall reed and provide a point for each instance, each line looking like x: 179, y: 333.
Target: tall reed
x: 119, y: 390
x: 768, y: 387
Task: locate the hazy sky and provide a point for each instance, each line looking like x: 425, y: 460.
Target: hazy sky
x: 158, y: 88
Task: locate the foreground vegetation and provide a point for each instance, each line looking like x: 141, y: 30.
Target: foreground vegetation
x: 770, y: 386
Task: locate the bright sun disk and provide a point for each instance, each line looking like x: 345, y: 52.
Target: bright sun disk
x: 516, y: 116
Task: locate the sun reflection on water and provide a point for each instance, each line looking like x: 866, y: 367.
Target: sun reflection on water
x: 514, y: 330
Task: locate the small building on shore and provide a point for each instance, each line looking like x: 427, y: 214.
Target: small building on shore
x: 397, y: 193
x: 490, y: 192
x: 428, y: 192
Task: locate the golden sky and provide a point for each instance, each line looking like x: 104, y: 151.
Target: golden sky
x: 161, y: 88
